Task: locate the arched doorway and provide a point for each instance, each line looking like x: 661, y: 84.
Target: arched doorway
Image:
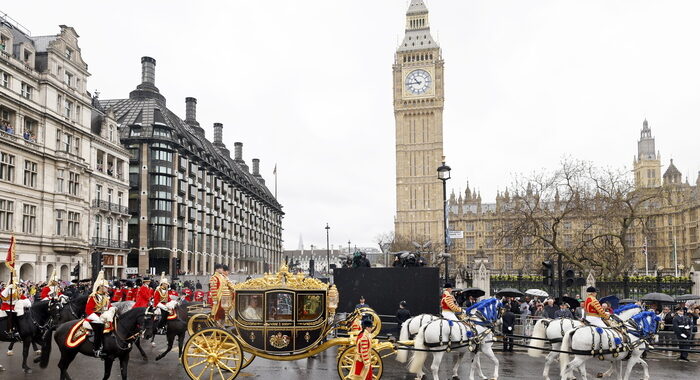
x: 49, y: 271
x: 65, y: 273
x: 4, y: 273
x: 26, y: 272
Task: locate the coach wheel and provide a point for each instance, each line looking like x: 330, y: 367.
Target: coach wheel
x: 212, y: 354
x: 347, y: 358
x: 247, y: 359
x: 199, y: 322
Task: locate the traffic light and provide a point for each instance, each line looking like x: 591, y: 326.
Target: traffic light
x: 176, y: 268
x: 76, y: 271
x: 96, y: 264
x: 569, y: 278
x: 548, y: 272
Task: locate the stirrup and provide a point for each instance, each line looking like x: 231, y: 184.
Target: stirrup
x: 99, y: 354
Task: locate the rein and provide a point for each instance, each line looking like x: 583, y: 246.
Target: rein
x: 126, y: 340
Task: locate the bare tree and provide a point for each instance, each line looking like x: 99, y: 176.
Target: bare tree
x: 585, y: 214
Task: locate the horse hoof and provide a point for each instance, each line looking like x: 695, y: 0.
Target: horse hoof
x: 153, y: 344
x: 144, y: 358
x: 28, y: 370
x: 10, y: 352
x: 2, y: 368
x: 37, y: 352
x: 599, y: 375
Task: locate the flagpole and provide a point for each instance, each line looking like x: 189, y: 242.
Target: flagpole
x: 275, y: 181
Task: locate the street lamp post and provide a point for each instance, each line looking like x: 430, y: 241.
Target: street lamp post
x: 328, y: 251
x: 443, y: 175
x: 348, y: 247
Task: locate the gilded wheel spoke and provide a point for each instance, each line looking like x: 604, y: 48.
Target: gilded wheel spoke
x: 203, y: 370
x: 198, y: 363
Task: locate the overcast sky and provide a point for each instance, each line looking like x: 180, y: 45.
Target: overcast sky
x: 307, y: 85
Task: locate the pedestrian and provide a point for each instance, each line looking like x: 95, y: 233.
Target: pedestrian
x: 508, y: 319
x: 539, y: 311
x: 563, y: 311
x: 402, y: 315
x: 549, y: 309
x: 361, y: 304
x: 524, y: 311
x: 681, y: 327
x: 198, y: 285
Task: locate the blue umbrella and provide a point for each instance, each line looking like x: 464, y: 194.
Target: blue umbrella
x: 613, y: 301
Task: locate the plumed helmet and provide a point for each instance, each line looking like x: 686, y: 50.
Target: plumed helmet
x: 163, y: 279
x: 99, y: 282
x: 53, y: 280
x: 591, y: 289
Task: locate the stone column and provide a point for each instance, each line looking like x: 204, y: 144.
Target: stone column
x: 695, y: 277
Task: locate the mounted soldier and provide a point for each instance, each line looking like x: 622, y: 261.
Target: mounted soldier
x: 594, y: 312
x: 99, y: 311
x: 448, y: 304
x: 161, y: 298
x: 143, y: 293
x: 52, y: 291
x: 11, y: 296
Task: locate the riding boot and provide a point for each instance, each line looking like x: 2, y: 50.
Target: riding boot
x: 98, y: 329
x: 162, y: 321
x: 13, y: 322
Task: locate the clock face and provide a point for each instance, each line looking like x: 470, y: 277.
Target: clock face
x: 418, y: 82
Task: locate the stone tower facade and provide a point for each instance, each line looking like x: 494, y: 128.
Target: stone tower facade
x: 647, y: 163
x: 418, y: 106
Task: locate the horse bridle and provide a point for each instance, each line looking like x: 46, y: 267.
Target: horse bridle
x: 128, y: 339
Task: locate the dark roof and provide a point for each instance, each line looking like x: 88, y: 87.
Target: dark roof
x: 147, y: 112
x: 672, y: 171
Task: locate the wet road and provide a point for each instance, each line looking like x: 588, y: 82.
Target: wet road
x: 512, y: 366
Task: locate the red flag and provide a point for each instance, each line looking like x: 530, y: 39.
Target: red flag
x: 10, y: 259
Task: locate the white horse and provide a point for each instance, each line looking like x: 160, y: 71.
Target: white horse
x: 554, y: 331
x: 474, y: 335
x: 409, y: 329
x: 610, y: 344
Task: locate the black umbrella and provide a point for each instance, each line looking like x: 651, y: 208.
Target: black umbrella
x: 687, y: 297
x: 573, y: 302
x: 612, y: 300
x: 658, y: 297
x: 509, y: 292
x: 473, y: 292
x: 626, y: 301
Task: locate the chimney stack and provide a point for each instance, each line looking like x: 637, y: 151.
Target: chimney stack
x: 148, y: 70
x: 190, y: 109
x: 238, y: 151
x: 218, y: 132
x: 256, y: 167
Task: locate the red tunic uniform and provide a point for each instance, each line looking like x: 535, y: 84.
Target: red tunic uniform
x: 8, y: 303
x: 199, y: 296
x: 593, y: 308
x: 447, y: 303
x: 362, y: 365
x: 188, y: 294
x: 130, y: 294
x: 97, y: 304
x: 143, y: 296
x: 118, y: 295
x: 160, y: 296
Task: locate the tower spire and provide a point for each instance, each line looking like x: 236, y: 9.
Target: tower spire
x: 417, y: 36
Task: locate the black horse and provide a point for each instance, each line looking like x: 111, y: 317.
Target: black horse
x: 117, y: 345
x: 30, y: 326
x: 175, y: 328
x: 56, y: 314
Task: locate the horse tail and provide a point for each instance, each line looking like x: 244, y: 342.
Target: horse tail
x: 415, y: 365
x: 402, y: 355
x: 565, y: 347
x: 539, y: 332
x: 46, y: 345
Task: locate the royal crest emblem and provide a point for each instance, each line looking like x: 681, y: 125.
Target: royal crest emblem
x: 279, y: 340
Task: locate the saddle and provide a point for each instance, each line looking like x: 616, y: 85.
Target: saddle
x: 81, y: 330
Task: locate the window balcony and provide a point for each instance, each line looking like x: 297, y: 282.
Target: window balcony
x: 108, y: 206
x: 109, y: 243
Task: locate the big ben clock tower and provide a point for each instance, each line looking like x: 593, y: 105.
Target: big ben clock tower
x: 418, y: 104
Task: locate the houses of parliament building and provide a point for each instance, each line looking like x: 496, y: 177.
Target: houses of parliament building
x: 671, y: 223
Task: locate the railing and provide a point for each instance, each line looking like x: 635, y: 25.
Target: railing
x: 109, y: 243
x: 109, y: 206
